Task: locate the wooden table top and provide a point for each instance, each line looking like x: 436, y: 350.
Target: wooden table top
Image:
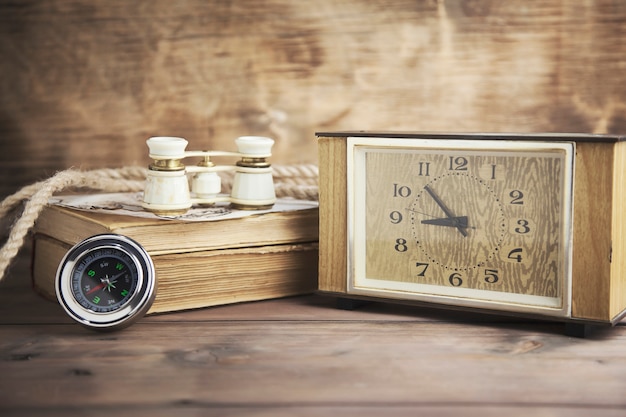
x: 302, y: 356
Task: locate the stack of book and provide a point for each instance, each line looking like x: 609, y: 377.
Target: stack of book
x: 227, y: 257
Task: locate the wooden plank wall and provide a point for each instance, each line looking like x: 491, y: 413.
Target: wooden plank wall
x: 84, y: 82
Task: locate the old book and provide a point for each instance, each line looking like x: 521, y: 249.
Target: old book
x: 233, y: 257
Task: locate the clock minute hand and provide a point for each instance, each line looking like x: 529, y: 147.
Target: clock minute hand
x: 446, y: 210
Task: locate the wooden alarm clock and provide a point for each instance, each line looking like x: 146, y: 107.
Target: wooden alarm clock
x: 531, y: 225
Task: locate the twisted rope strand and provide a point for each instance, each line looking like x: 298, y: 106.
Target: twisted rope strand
x: 297, y: 181
x: 300, y: 192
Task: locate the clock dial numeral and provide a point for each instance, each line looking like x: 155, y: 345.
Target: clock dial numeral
x: 455, y: 279
x: 517, y: 197
x: 421, y: 267
x: 395, y: 216
x: 522, y: 228
x: 401, y: 245
x: 458, y: 163
x: 401, y: 191
x: 491, y: 276
x: 489, y: 171
x: 424, y: 169
x: 516, y: 255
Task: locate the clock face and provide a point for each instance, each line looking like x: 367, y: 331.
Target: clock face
x: 476, y: 222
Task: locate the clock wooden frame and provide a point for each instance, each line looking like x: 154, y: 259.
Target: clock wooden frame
x: 597, y: 265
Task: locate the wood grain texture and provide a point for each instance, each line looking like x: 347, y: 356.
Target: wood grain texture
x: 84, y: 83
x: 482, y: 193
x: 301, y: 356
x: 591, y: 274
x: 618, y: 233
x: 333, y: 215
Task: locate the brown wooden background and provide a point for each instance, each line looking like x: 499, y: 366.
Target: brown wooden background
x: 84, y: 82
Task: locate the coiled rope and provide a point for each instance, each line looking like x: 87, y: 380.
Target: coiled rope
x: 297, y: 181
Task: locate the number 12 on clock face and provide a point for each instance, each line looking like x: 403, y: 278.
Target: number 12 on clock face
x: 481, y: 223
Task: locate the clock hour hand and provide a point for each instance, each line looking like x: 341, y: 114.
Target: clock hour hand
x: 446, y: 210
x: 448, y: 221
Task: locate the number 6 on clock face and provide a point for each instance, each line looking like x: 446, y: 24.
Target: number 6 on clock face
x: 483, y: 223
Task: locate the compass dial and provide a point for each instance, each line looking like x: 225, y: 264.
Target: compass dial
x: 104, y: 279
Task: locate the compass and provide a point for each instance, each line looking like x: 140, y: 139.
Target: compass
x: 106, y: 282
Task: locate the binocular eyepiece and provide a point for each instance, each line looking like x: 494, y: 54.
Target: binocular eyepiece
x: 168, y: 188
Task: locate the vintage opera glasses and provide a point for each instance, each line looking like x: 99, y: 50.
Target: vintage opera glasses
x: 167, y: 188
